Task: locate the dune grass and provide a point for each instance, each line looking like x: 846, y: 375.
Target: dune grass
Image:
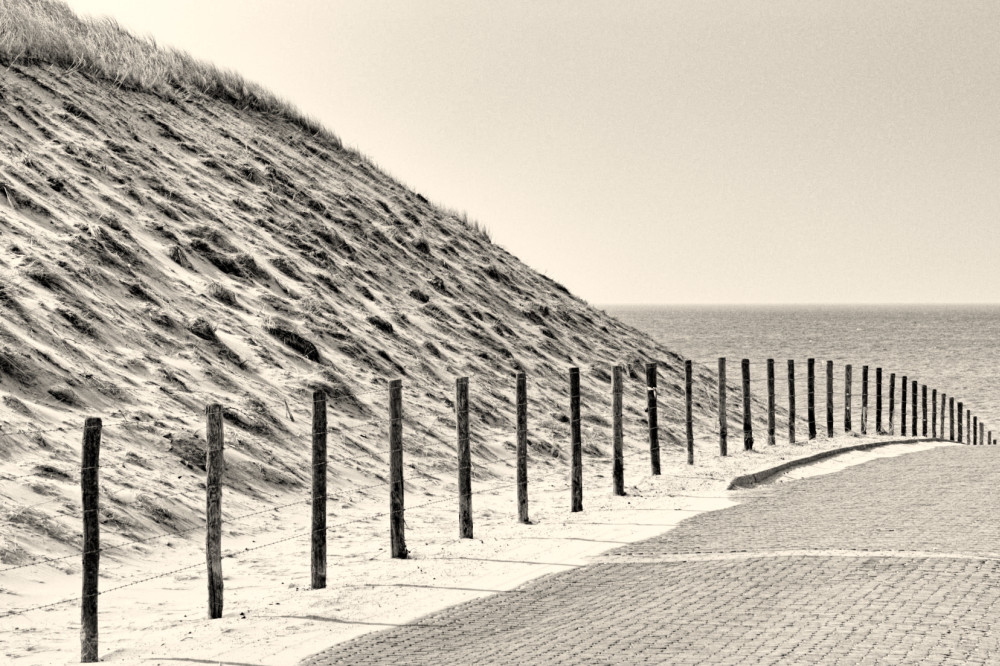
x: 48, y: 31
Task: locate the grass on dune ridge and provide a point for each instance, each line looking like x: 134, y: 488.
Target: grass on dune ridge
x: 48, y: 31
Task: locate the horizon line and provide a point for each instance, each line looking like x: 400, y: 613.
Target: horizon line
x: 793, y: 304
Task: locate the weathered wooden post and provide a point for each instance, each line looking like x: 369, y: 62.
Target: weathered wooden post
x: 892, y: 403
x: 654, y: 428
x: 811, y: 396
x: 318, y: 559
x: 902, y: 408
x: 90, y: 487
x: 968, y: 426
x: 944, y: 410
x: 960, y: 419
x: 913, y: 430
x: 982, y: 440
x: 864, y: 400
x: 847, y: 398
x: 522, y: 447
x: 791, y: 401
x: 215, y: 464
x: 688, y: 410
x: 723, y: 425
x: 975, y: 431
x: 617, y: 433
x: 747, y: 423
x: 397, y: 525
x: 829, y: 398
x: 934, y: 413
x: 464, y: 458
x: 770, y: 401
x: 576, y: 474
x: 923, y: 407
x: 951, y: 418
x: 878, y: 401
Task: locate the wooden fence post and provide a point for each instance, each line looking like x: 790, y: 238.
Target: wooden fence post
x: 747, y: 423
x: 522, y: 447
x: 318, y: 560
x: 968, y: 426
x: 811, y: 396
x: 982, y: 435
x: 617, y: 434
x: 934, y: 413
x: 878, y: 401
x: 913, y: 431
x: 944, y: 410
x: 215, y: 464
x: 397, y: 526
x: 923, y: 407
x: 791, y: 401
x: 864, y: 400
x: 902, y: 408
x: 464, y: 458
x: 654, y: 428
x: 829, y: 398
x: 951, y: 419
x: 90, y: 487
x: 847, y: 398
x: 975, y: 431
x: 576, y: 501
x: 892, y: 402
x: 961, y: 417
x: 770, y: 401
x: 688, y: 413
x: 723, y: 425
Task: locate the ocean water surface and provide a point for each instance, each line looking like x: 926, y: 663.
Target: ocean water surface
x: 955, y: 349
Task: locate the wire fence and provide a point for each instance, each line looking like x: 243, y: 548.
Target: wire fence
x: 496, y: 403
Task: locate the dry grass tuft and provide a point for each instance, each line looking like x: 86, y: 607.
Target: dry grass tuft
x: 12, y: 364
x: 284, y: 331
x: 15, y: 405
x: 286, y: 266
x: 220, y: 293
x: 249, y: 265
x: 78, y: 322
x: 177, y: 255
x: 40, y: 274
x: 380, y: 324
x: 63, y: 394
x: 204, y: 330
x: 48, y: 31
x: 421, y: 245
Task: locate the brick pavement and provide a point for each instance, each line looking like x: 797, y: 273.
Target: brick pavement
x: 894, y: 561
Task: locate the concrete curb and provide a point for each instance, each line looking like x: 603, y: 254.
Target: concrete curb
x: 751, y: 480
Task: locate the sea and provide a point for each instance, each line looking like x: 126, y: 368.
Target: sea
x: 953, y: 348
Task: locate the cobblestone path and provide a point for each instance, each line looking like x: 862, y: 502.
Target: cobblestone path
x: 891, y: 562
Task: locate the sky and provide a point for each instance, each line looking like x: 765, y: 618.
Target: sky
x: 675, y: 152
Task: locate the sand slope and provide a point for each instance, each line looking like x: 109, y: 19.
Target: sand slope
x: 158, y: 256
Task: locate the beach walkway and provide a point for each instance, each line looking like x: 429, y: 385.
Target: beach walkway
x: 890, y: 562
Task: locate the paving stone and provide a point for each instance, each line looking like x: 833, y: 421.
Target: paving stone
x: 891, y: 562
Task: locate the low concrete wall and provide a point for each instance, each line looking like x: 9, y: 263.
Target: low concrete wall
x: 750, y: 480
